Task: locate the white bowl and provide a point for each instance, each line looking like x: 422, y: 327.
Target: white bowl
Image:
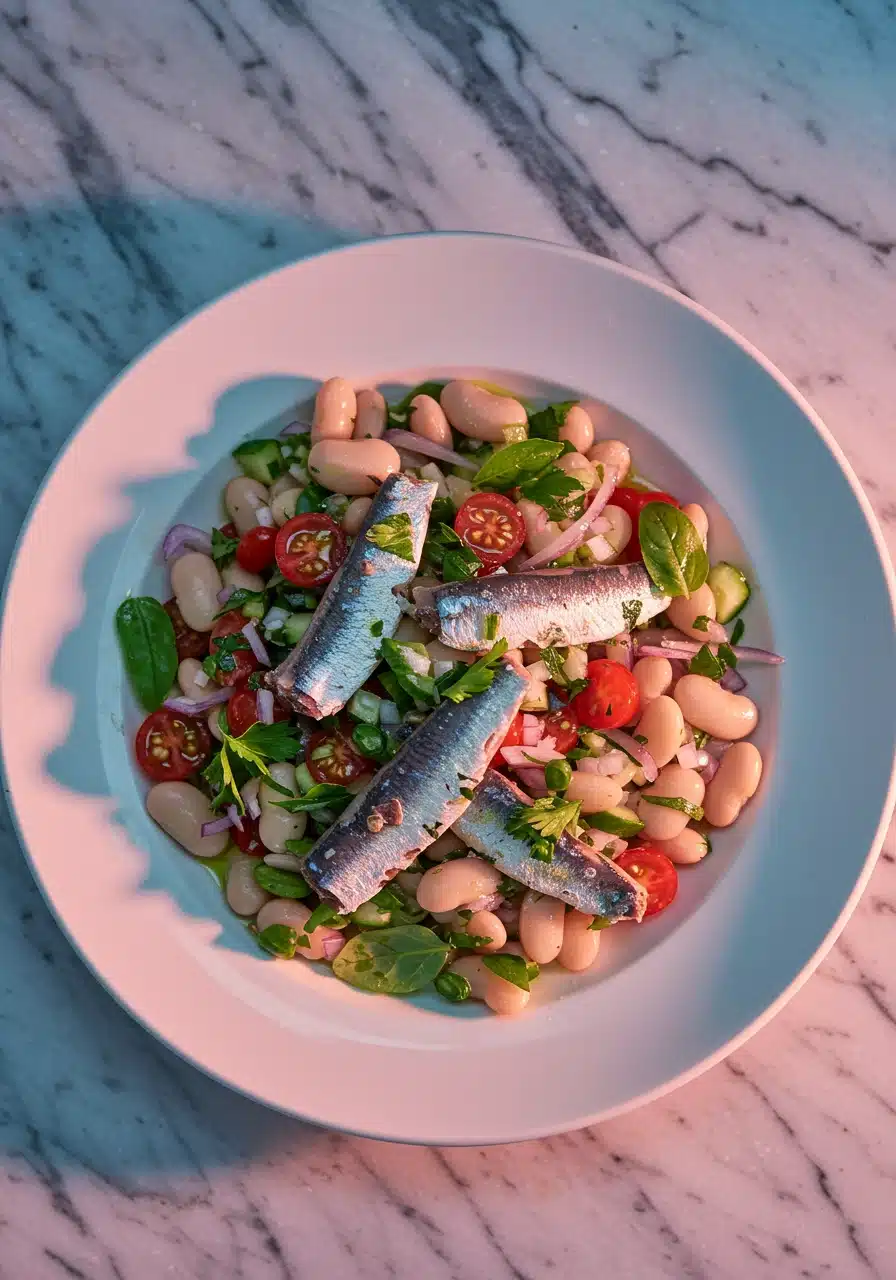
x: 667, y: 998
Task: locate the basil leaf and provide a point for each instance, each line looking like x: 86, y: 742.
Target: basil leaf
x: 545, y: 424
x: 512, y: 464
x: 675, y: 802
x: 282, y: 884
x: 705, y: 663
x: 392, y: 961
x: 393, y: 534
x: 673, y: 551
x: 222, y: 546
x: 453, y: 986
x: 280, y: 940
x: 312, y: 498
x: 511, y: 968
x: 146, y: 636
x: 560, y: 494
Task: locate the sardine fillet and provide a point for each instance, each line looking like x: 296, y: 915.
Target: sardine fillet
x: 542, y: 607
x: 451, y: 750
x: 578, y: 875
x: 339, y: 651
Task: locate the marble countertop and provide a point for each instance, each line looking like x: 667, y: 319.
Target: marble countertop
x: 153, y: 155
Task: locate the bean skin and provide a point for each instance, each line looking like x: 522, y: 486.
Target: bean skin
x: 352, y: 467
x: 683, y: 612
x: 687, y: 848
x: 580, y: 943
x: 335, y: 407
x: 370, y: 422
x: 612, y: 453
x: 699, y: 519
x: 451, y: 884
x: 276, y: 825
x: 541, y: 926
x: 595, y: 792
x: 196, y: 582
x: 736, y: 781
x: 478, y: 413
x: 180, y: 810
x: 427, y: 420
x: 242, y: 498
x: 234, y: 575
x: 447, y: 843
x: 662, y: 724
x: 707, y: 706
x: 578, y: 429
x: 653, y: 677
x: 245, y: 896
x: 485, y: 924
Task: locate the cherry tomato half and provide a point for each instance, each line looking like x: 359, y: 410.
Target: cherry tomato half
x: 611, y: 699
x: 190, y: 643
x: 309, y: 549
x: 634, y: 501
x: 229, y: 530
x: 244, y: 660
x: 256, y: 550
x: 652, y: 869
x: 512, y: 738
x: 490, y: 525
x: 330, y: 757
x: 248, y: 839
x: 242, y: 710
x: 563, y: 726
x: 170, y: 746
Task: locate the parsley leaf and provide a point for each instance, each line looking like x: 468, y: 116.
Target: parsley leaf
x: 325, y: 795
x: 222, y: 659
x: 240, y: 596
x: 444, y: 552
x: 706, y: 663
x: 244, y: 757
x: 550, y: 816
x: 459, y: 565
x: 312, y: 498
x: 545, y: 424
x: 376, y: 628
x: 475, y: 678
x: 263, y: 742
x: 675, y: 802
x: 409, y: 673
x: 222, y: 546
x: 631, y: 612
x: 554, y: 490
x: 701, y: 622
x: 394, y: 534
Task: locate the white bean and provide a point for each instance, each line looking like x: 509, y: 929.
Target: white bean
x: 355, y: 515
x: 213, y: 726
x: 683, y: 612
x: 283, y: 507
x: 653, y: 677
x: 485, y: 924
x: 707, y: 706
x: 662, y: 724
x: 427, y: 420
x: 196, y: 582
x: 579, y: 468
x: 276, y: 826
x: 661, y: 823
x: 500, y: 996
x: 245, y: 895
x: 295, y: 915
x: 478, y: 413
x: 699, y: 519
x: 280, y: 485
x: 242, y: 498
x: 619, y: 534
x: 180, y: 810
x: 541, y: 926
x: 451, y: 884
x: 612, y: 453
x: 410, y: 632
x: 352, y: 466
x: 186, y: 678
x: 370, y: 422
x: 735, y: 782
x: 578, y: 429
x: 234, y: 575
x: 447, y: 843
x: 335, y: 407
x: 686, y: 848
x: 580, y: 942
x: 596, y: 793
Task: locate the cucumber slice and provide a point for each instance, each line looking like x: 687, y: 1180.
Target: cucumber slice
x: 364, y: 706
x: 304, y: 780
x: 730, y: 589
x: 619, y: 821
x: 294, y: 627
x: 261, y: 459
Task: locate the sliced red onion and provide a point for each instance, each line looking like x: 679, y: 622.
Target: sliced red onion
x: 688, y: 756
x: 610, y: 764
x: 487, y: 903
x: 715, y: 632
x: 192, y: 707
x: 747, y: 653
x: 185, y: 537
x: 664, y: 651
x: 732, y: 681
x: 716, y: 747
x: 532, y: 778
x: 332, y: 945
x: 264, y: 706
x: 710, y: 769
x: 225, y: 593
x: 216, y: 827
x: 540, y: 753
x: 625, y: 742
x: 265, y: 517
x: 419, y: 444
x: 296, y: 428
x: 233, y: 814
x: 743, y: 653
x: 579, y: 529
x: 256, y: 644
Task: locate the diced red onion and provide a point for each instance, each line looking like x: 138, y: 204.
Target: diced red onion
x: 710, y: 769
x: 202, y: 678
x: 264, y: 706
x: 688, y: 756
x: 256, y: 644
x: 192, y: 707
x: 225, y: 593
x: 625, y: 742
x: 419, y: 444
x: 732, y: 681
x: 533, y: 730
x: 296, y: 428
x: 610, y: 764
x: 233, y: 814
x: 684, y: 648
x: 486, y: 903
x: 265, y: 517
x: 185, y: 537
x: 715, y: 632
x: 215, y: 827
x: 332, y: 945
x: 579, y: 529
x: 441, y: 667
x: 717, y: 747
x: 540, y: 753
x: 747, y: 653
x: 589, y: 764
x: 532, y: 778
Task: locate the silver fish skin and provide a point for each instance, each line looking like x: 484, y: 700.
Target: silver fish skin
x: 578, y: 875
x: 338, y: 651
x: 541, y: 607
x: 366, y: 847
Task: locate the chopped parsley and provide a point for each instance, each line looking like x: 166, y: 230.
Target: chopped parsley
x: 246, y: 757
x: 560, y: 494
x: 543, y: 822
x: 444, y: 552
x: 490, y: 629
x: 473, y: 679
x: 631, y: 612
x: 393, y: 534
x: 545, y: 424
x: 376, y: 628
x: 701, y: 622
x: 713, y: 665
x: 675, y: 802
x: 320, y: 798
x: 222, y: 546
x: 222, y: 659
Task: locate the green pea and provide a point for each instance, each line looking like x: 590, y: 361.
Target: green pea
x: 557, y: 775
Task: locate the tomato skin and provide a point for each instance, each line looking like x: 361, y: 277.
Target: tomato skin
x: 229, y: 530
x: 242, y: 710
x: 512, y: 738
x: 298, y: 548
x: 171, y: 746
x: 244, y: 659
x: 256, y: 550
x: 634, y: 501
x: 190, y: 643
x: 563, y: 726
x: 612, y: 698
x: 652, y: 869
x: 344, y: 765
x: 248, y: 839
x: 490, y: 525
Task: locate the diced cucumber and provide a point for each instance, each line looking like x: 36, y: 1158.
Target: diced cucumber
x: 730, y: 589
x: 536, y: 698
x: 370, y: 916
x: 254, y: 608
x: 294, y: 627
x: 261, y: 459
x: 365, y: 706
x: 619, y: 821
x: 304, y: 780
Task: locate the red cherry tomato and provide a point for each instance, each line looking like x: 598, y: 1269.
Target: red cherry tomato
x: 652, y: 869
x: 611, y: 699
x: 512, y: 738
x: 634, y: 501
x: 256, y: 550
x: 248, y: 839
x: 171, y: 746
x: 229, y: 530
x: 330, y: 757
x: 190, y: 643
x: 242, y: 711
x: 244, y: 660
x: 563, y: 726
x: 490, y: 525
x: 309, y: 549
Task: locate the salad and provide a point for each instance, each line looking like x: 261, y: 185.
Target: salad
x: 450, y: 691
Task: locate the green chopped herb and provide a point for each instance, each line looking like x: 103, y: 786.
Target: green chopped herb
x: 560, y: 494
x: 299, y: 847
x: 223, y: 548
x: 509, y: 967
x: 414, y: 682
x: 460, y: 565
x: 313, y: 497
x: 467, y: 941
x: 241, y: 597
x: 222, y: 658
x: 246, y: 757
x: 675, y: 802
x: 490, y: 629
x: 737, y: 631
x: 473, y: 679
x: 508, y: 887
x: 600, y: 922
x: 445, y: 553
x: 467, y: 792
x: 280, y: 940
x: 548, y: 816
x: 393, y: 534
x: 376, y: 627
x: 542, y: 850
x: 323, y: 914
x: 545, y: 424
x: 727, y: 655
x: 322, y: 797
x: 631, y: 612
x: 400, y: 413
x: 372, y: 742
x: 453, y: 986
x: 705, y: 663
x: 701, y: 622
x: 701, y: 737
